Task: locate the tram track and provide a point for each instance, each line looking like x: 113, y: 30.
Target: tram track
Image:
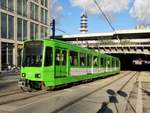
x: 120, y: 92
x: 135, y: 97
x: 94, y: 91
x: 15, y: 96
x: 19, y: 96
x: 11, y: 92
x: 114, y: 96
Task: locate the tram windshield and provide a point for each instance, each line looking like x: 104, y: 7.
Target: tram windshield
x: 32, y: 55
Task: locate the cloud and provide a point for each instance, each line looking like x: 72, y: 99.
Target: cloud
x: 141, y: 11
x: 108, y: 6
x: 56, y: 10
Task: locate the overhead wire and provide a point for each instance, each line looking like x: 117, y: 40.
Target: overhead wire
x: 58, y: 29
x: 107, y: 19
x: 100, y: 9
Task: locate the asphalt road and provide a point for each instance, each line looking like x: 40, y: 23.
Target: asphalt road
x: 8, y: 82
x: 79, y: 99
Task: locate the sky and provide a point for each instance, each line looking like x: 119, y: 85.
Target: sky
x: 123, y: 14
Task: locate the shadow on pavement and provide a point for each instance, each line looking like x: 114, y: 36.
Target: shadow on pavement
x: 124, y: 94
x: 104, y: 109
x: 146, y: 92
x: 113, y: 99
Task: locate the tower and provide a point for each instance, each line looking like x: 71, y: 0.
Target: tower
x: 83, y: 24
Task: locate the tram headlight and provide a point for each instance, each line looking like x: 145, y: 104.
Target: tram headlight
x: 37, y: 75
x: 23, y: 75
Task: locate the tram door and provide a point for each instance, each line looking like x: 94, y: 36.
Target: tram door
x: 60, y: 63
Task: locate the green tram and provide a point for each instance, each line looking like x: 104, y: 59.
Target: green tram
x: 50, y: 63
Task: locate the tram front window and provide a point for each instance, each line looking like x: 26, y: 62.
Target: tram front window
x: 32, y: 55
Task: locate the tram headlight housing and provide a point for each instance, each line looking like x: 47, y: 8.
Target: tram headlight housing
x: 37, y: 75
x: 23, y: 75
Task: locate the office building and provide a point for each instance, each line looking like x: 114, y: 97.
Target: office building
x: 21, y: 20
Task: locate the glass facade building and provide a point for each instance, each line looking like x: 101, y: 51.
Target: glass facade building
x: 21, y: 20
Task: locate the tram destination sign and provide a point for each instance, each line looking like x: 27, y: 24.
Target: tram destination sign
x: 34, y: 44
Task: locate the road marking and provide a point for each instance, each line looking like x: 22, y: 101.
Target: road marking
x: 139, y: 103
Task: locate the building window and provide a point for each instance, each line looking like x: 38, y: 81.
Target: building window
x: 19, y: 7
x: 7, y: 4
x: 44, y: 32
x: 7, y: 55
x: 34, y: 11
x: 42, y: 15
x: 19, y: 31
x: 46, y: 17
x: 11, y: 5
x: 7, y: 26
x: 22, y: 7
x: 25, y: 8
x: 22, y: 30
x: 19, y: 52
x: 10, y: 27
x: 36, y: 31
x: 46, y: 3
x: 33, y: 31
x: 42, y: 2
x: 3, y: 4
x: 3, y: 25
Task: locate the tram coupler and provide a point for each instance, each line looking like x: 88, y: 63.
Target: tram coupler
x: 23, y: 83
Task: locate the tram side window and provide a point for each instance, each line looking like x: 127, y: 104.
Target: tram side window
x: 117, y: 63
x: 64, y: 57
x: 48, y: 56
x: 82, y: 59
x: 102, y: 61
x: 95, y: 61
x: 108, y: 62
x: 89, y: 60
x: 57, y: 57
x: 73, y: 58
x: 113, y: 63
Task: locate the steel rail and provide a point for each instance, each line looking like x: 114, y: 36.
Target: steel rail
x: 74, y: 101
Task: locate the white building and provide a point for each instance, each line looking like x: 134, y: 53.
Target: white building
x: 21, y: 20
